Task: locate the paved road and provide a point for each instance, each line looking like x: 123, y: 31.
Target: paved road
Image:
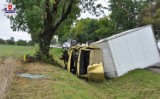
x: 55, y: 46
x: 154, y: 69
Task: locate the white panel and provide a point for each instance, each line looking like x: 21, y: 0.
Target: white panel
x: 121, y: 55
x: 149, y: 45
x: 136, y: 50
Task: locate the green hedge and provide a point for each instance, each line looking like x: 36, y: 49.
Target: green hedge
x: 10, y: 42
x: 21, y: 42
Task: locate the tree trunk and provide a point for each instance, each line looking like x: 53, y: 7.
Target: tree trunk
x: 44, y: 46
x: 51, y: 22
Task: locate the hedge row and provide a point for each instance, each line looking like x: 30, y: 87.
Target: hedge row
x: 19, y: 42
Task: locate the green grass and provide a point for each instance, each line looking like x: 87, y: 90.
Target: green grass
x: 137, y: 84
x: 15, y: 51
x: 18, y: 51
x: 56, y: 52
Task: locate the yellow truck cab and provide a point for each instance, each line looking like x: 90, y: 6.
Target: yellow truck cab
x: 86, y: 62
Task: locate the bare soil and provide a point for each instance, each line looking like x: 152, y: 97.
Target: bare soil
x: 7, y: 68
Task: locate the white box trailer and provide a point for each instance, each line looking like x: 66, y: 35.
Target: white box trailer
x: 129, y: 50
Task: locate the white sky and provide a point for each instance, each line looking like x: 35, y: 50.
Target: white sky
x: 6, y: 32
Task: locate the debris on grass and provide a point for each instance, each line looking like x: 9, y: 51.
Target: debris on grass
x: 32, y: 76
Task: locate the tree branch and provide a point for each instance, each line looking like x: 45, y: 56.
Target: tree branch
x: 48, y: 18
x: 55, y: 6
x: 66, y: 10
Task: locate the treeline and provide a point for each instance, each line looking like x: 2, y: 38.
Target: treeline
x: 19, y: 42
x: 125, y: 15
x: 86, y: 30
x: 89, y: 30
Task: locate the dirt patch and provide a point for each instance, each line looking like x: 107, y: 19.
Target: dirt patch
x: 7, y: 68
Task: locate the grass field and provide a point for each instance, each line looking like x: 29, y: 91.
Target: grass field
x: 138, y: 84
x: 19, y: 51
x: 15, y: 51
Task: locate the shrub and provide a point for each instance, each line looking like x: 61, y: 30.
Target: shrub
x: 21, y: 42
x: 10, y: 42
x: 2, y: 41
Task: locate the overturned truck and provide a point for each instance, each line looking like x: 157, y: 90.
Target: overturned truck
x: 114, y: 56
x: 129, y: 50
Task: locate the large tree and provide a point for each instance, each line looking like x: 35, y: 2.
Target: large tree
x: 125, y: 13
x: 42, y: 18
x: 92, y: 29
x: 84, y: 30
x: 106, y: 27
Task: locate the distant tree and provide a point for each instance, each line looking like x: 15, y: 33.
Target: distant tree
x: 2, y: 41
x: 92, y: 29
x: 106, y: 27
x: 84, y: 30
x: 21, y: 42
x: 10, y: 42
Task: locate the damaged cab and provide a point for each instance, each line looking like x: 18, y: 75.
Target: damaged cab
x: 86, y: 62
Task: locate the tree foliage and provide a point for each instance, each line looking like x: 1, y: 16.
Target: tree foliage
x: 91, y: 29
x: 151, y: 15
x: 125, y: 13
x: 106, y: 27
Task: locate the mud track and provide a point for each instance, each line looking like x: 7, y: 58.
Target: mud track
x: 7, y: 68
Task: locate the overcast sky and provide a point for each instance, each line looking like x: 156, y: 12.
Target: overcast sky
x: 6, y: 32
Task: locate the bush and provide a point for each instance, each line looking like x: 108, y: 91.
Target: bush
x: 31, y: 43
x: 21, y: 42
x: 10, y: 42
x: 2, y: 41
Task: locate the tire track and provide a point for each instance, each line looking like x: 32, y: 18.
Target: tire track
x: 7, y: 68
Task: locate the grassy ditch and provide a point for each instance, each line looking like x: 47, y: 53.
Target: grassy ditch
x: 59, y: 85
x: 138, y: 84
